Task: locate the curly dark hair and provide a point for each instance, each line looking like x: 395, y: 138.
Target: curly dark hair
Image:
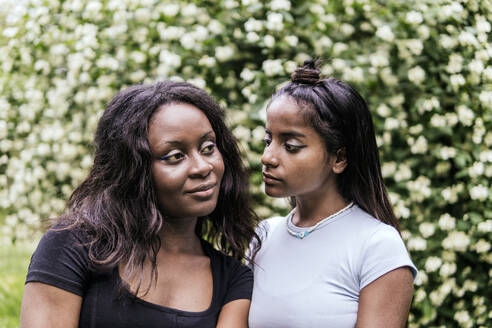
x: 342, y: 118
x: 116, y: 207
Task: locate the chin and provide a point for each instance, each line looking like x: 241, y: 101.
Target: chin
x: 276, y: 193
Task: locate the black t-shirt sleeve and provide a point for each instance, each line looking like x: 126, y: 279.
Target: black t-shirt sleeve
x: 60, y: 260
x: 240, y: 285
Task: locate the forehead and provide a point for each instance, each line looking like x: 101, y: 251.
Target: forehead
x: 284, y: 112
x: 177, y: 121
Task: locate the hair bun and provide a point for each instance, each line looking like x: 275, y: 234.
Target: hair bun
x: 309, y: 73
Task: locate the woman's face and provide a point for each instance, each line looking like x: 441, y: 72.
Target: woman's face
x: 187, y: 166
x: 295, y: 160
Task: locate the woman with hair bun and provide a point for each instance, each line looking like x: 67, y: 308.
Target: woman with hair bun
x: 337, y: 259
x: 134, y: 248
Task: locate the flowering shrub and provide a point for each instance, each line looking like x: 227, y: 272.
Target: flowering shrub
x: 423, y: 66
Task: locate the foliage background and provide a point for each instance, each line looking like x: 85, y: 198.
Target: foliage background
x: 423, y: 66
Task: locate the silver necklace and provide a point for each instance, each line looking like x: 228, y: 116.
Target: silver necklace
x: 305, y: 233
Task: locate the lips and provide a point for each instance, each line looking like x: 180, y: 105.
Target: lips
x: 203, y: 192
x: 203, y: 187
x: 270, y: 179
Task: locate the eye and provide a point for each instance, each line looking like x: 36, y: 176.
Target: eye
x: 208, y: 148
x: 292, y: 148
x: 173, y: 157
x: 267, y: 140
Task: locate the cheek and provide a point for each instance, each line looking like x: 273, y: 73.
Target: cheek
x: 219, y: 166
x: 167, y: 180
x: 310, y: 170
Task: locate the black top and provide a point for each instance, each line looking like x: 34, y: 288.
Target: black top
x: 61, y: 261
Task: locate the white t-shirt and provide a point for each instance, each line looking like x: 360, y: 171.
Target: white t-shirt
x: 316, y: 281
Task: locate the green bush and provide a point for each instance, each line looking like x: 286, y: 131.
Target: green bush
x: 423, y: 66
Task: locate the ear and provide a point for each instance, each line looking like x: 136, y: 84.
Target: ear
x: 340, y: 161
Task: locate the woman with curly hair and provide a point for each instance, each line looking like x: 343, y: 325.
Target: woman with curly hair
x: 134, y: 248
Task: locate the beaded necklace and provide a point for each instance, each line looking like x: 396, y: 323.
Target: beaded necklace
x: 305, y: 233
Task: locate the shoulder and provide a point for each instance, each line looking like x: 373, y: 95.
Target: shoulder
x: 269, y: 225
x: 60, y: 260
x: 233, y: 279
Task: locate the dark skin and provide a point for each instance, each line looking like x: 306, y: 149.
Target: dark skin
x: 296, y: 163
x: 187, y: 171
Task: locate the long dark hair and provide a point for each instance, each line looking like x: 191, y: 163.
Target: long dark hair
x: 341, y: 116
x: 115, y: 206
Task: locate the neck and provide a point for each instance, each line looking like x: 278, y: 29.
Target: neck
x: 178, y: 236
x: 311, y: 209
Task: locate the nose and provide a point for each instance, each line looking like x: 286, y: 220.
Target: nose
x: 268, y: 158
x: 200, y: 166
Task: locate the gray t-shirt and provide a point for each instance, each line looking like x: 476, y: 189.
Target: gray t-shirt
x: 316, y: 281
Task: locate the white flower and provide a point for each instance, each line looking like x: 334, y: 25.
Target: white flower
x: 247, y: 75
x: 269, y: 41
x: 487, y: 73
x: 485, y: 98
x: 379, y: 59
x: 383, y: 110
x: 483, y: 26
x: 485, y: 226
x: 447, y: 269
x: 189, y: 10
x: 170, y: 9
x: 457, y: 241
x: 403, y: 173
x: 482, y: 246
x: 224, y: 53
x: 476, y: 66
x: 479, y: 192
x: 388, y: 169
x: 427, y: 229
x: 272, y: 67
x: 447, y: 152
x: 188, y: 41
x: 169, y: 58
x: 421, y: 278
x: 454, y: 64
x: 198, y: 82
x: 10, y: 32
x: 347, y: 29
x: 438, y: 121
x: 476, y: 169
x: 207, y: 61
x: 252, y: 37
x: 292, y: 40
x: 391, y: 123
x: 414, y: 17
x: 339, y: 47
x: 416, y: 75
x: 447, y: 42
x: 417, y: 244
x: 384, y: 32
x: 424, y: 32
x: 274, y: 21
x: 215, y: 27
x: 280, y: 5
x: 467, y: 39
x: 355, y: 74
x: 242, y: 133
x: 420, y: 146
x: 447, y: 222
x: 253, y: 25
x: 432, y: 264
x: 465, y: 115
x: 415, y: 46
x: 462, y: 317
x: 290, y: 66
x: 457, y: 80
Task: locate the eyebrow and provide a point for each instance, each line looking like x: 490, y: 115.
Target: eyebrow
x: 288, y: 134
x: 178, y: 142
